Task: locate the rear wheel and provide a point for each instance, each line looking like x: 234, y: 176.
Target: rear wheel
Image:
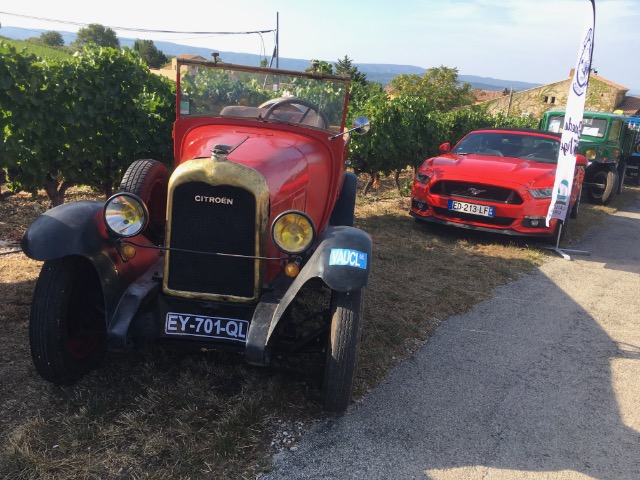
x: 603, y: 192
x: 148, y: 179
x: 342, y: 350
x: 67, y: 327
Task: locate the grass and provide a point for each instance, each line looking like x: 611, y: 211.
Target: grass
x: 40, y: 50
x: 164, y: 414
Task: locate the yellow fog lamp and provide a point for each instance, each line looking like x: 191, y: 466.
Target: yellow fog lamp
x: 125, y: 215
x: 591, y: 155
x: 292, y: 269
x: 293, y: 232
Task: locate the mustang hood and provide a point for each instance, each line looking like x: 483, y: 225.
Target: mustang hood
x: 505, y: 170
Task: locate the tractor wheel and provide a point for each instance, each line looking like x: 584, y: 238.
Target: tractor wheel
x: 601, y: 195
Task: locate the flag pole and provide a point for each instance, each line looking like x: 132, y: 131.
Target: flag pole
x: 559, y: 207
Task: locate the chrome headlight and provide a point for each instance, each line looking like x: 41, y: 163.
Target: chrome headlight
x: 125, y: 215
x: 590, y: 154
x: 293, y: 232
x: 541, y: 192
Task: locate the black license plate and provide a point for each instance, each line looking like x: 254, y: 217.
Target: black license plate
x: 186, y: 324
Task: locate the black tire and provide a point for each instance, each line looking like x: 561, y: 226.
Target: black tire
x: 148, y: 179
x: 575, y: 210
x: 342, y: 350
x: 67, y: 327
x: 602, y: 196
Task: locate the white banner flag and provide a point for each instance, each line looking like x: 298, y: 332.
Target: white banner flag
x: 572, y: 127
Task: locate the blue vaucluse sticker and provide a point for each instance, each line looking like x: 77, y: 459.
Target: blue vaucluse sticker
x: 350, y: 258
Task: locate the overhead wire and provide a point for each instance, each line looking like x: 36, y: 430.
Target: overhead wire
x: 134, y: 29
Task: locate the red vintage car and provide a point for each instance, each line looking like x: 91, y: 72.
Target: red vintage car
x: 258, y: 207
x: 497, y: 180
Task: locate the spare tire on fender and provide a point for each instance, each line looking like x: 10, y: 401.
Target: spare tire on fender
x: 148, y: 179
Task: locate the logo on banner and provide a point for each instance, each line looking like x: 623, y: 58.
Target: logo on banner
x: 581, y: 77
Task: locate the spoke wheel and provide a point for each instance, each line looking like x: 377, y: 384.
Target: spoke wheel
x: 602, y: 195
x: 67, y: 329
x: 342, y: 350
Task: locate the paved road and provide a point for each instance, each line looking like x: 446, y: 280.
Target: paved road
x: 540, y: 382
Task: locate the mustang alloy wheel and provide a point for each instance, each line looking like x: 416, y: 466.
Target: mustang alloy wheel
x: 342, y: 349
x: 148, y: 179
x: 67, y: 331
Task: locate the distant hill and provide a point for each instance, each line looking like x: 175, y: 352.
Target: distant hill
x: 376, y: 72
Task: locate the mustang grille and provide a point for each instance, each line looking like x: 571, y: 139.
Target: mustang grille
x: 217, y: 219
x: 477, y: 191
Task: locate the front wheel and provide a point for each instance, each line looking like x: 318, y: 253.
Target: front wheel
x: 342, y: 350
x: 602, y: 193
x: 67, y: 329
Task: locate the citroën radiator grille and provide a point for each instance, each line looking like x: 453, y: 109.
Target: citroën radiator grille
x: 220, y: 219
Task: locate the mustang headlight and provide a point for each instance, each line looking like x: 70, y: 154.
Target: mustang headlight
x: 423, y: 178
x: 541, y: 192
x: 125, y: 215
x: 293, y: 232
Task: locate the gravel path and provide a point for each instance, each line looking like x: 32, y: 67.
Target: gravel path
x: 542, y: 381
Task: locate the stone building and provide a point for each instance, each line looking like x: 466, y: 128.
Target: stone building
x: 602, y: 96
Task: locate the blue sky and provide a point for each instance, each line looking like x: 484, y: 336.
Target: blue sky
x: 526, y: 40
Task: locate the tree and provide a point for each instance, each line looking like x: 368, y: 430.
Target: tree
x: 344, y: 66
x: 97, y: 34
x: 52, y: 38
x: 438, y: 86
x: 320, y: 66
x: 150, y: 53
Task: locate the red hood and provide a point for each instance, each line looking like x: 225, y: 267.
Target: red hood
x: 277, y: 155
x: 491, y: 169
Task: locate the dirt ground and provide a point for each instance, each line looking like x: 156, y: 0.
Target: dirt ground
x: 193, y: 416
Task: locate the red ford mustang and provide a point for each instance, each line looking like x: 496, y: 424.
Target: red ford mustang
x: 497, y: 180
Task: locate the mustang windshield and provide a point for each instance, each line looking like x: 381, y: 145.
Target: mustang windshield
x: 318, y: 101
x: 513, y: 145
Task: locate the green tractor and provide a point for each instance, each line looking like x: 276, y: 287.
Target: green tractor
x: 610, y: 143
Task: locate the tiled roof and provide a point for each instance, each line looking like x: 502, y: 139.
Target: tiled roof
x: 484, y: 95
x: 630, y: 105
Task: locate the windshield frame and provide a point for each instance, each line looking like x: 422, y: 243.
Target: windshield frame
x: 335, y: 90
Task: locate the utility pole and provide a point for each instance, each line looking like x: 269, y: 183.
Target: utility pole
x: 277, y: 40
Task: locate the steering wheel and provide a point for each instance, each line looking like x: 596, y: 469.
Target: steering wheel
x: 298, y: 101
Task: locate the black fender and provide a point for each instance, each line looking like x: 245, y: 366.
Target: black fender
x: 77, y: 228
x: 68, y: 229
x: 344, y: 210
x: 342, y: 260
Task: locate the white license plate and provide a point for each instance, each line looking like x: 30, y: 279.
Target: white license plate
x: 472, y: 208
x: 185, y: 324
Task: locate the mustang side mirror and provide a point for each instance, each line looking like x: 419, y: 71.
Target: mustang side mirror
x: 445, y: 147
x: 361, y: 125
